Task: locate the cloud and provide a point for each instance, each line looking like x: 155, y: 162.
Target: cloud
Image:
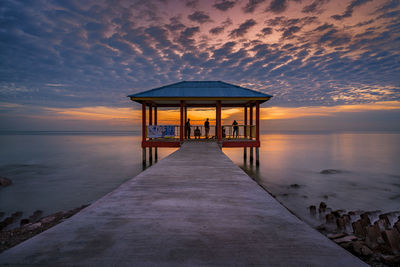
x: 200, y: 17
x: 243, y: 28
x: 252, y: 5
x: 350, y: 8
x: 192, y: 3
x: 277, y: 6
x: 266, y: 31
x: 224, y: 5
x: 314, y: 7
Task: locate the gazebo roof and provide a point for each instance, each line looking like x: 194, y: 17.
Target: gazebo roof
x: 200, y: 93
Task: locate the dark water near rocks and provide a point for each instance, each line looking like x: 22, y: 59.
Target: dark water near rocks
x: 60, y: 171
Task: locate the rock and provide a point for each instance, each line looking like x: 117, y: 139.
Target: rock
x: 346, y: 245
x: 372, y: 235
x: 397, y: 226
x: 342, y: 222
x: 5, y: 182
x: 330, y: 171
x: 392, y: 240
x: 361, y: 249
x: 34, y: 226
x: 295, y: 186
x: 382, y: 225
x: 365, y: 219
x: 313, y: 210
x: 322, y: 207
x: 329, y: 218
x: 391, y: 260
x: 358, y: 228
x: 48, y: 219
x: 366, y: 251
x: 385, y: 218
x: 36, y: 216
x: 347, y: 238
x: 24, y: 222
x: 335, y: 236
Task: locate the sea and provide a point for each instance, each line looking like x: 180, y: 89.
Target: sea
x: 58, y: 171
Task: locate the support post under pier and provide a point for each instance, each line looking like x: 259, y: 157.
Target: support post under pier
x: 144, y: 157
x: 245, y: 153
x: 251, y: 155
x: 257, y: 156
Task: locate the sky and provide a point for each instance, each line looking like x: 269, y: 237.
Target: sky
x: 330, y: 64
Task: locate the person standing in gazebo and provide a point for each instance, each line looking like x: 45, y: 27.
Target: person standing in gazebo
x: 187, y: 129
x: 207, y: 127
x: 235, y: 129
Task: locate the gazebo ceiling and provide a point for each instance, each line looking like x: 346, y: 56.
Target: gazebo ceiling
x: 200, y: 93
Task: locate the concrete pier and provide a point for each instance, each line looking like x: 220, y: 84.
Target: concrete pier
x: 193, y: 208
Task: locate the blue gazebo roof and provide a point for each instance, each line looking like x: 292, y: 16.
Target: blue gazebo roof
x: 200, y: 92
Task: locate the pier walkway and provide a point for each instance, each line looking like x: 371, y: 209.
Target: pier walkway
x: 193, y: 208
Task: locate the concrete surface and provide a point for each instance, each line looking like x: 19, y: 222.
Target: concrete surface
x: 193, y: 208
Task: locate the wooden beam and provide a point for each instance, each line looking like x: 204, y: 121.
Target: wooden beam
x: 258, y: 121
x: 143, y: 123
x: 245, y: 122
x: 150, y: 114
x: 251, y: 120
x: 182, y: 123
x: 218, y: 124
x: 155, y: 115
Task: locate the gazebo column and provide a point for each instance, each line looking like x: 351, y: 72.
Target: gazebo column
x: 218, y: 123
x: 245, y: 133
x: 182, y: 123
x: 186, y: 137
x: 251, y: 131
x: 155, y: 123
x: 258, y: 132
x: 150, y: 123
x: 143, y: 133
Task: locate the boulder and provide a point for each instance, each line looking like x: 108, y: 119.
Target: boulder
x: 24, y: 222
x: 322, y: 207
x: 335, y: 236
x: 372, y: 235
x: 5, y: 182
x: 34, y: 226
x: 382, y: 224
x: 392, y: 240
x: 359, y: 228
x: 365, y: 219
x: 295, y: 186
x: 361, y: 249
x: 330, y: 218
x: 347, y: 238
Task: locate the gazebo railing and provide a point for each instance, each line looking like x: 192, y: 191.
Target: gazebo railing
x: 244, y: 132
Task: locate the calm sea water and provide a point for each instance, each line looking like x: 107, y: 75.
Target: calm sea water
x: 368, y: 166
x: 60, y: 171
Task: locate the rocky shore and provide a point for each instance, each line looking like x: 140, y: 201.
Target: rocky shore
x: 29, y: 227
x: 372, y: 236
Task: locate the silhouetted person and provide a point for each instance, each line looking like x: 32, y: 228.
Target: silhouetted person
x: 235, y: 129
x: 207, y: 127
x: 223, y: 132
x: 197, y: 133
x: 187, y: 129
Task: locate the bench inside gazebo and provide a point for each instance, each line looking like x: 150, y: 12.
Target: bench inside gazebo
x: 201, y: 94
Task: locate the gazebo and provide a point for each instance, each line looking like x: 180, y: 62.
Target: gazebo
x: 200, y: 94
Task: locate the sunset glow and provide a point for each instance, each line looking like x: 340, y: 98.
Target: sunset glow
x: 78, y: 60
